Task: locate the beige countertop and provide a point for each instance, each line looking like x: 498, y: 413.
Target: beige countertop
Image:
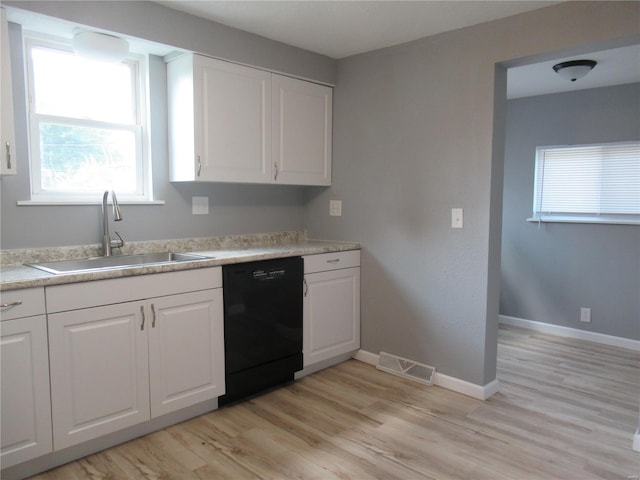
x: 13, y: 277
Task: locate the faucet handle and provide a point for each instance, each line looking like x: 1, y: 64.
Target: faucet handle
x: 117, y: 243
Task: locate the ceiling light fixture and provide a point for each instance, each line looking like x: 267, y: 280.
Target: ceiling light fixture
x: 574, y: 69
x: 100, y: 46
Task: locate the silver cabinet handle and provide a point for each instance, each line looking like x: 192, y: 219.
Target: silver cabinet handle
x: 8, y: 148
x: 275, y: 165
x: 11, y: 304
x: 153, y: 311
x: 199, y: 165
x: 142, y: 312
x: 306, y: 287
x: 335, y: 260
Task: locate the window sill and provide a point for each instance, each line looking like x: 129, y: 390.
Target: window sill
x: 41, y: 203
x: 610, y: 220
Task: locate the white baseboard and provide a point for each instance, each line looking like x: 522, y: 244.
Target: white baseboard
x: 571, y: 332
x: 366, y: 357
x: 636, y: 441
x: 470, y: 389
x: 445, y: 381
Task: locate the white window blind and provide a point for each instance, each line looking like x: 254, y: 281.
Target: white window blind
x: 588, y: 183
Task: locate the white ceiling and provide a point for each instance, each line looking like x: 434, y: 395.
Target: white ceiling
x: 342, y: 28
x: 615, y: 67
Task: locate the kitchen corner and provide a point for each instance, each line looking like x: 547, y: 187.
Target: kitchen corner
x: 151, y: 323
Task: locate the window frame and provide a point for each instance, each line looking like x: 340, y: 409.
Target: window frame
x: 139, y: 65
x: 574, y: 217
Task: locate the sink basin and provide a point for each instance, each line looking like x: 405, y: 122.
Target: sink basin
x: 118, y: 261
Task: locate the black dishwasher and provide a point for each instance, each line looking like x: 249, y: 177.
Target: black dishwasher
x: 262, y: 325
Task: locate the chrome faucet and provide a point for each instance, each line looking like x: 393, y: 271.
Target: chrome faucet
x: 107, y: 244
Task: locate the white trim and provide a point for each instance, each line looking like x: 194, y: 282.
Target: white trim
x: 32, y: 203
x: 568, y: 332
x: 490, y: 389
x: 467, y: 388
x: 366, y: 357
x: 444, y: 381
x: 636, y: 440
x: 611, y: 220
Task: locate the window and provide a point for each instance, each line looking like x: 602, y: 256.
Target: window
x: 588, y: 183
x: 87, y: 126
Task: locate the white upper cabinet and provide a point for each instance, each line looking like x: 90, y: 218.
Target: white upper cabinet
x: 301, y: 131
x: 230, y: 123
x: 219, y: 121
x: 7, y: 132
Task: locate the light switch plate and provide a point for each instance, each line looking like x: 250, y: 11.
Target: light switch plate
x: 200, y: 205
x: 457, y: 218
x: 335, y: 208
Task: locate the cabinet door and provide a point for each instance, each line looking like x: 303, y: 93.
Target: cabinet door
x: 233, y: 124
x: 99, y: 371
x: 331, y: 314
x: 186, y: 350
x: 26, y: 407
x: 301, y: 126
x: 7, y: 135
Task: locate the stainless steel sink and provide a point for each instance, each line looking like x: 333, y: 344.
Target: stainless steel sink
x: 118, y: 261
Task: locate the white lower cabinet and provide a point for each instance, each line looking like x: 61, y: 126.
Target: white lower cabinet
x: 26, y: 408
x: 99, y: 371
x: 118, y: 365
x: 331, y: 305
x: 186, y: 350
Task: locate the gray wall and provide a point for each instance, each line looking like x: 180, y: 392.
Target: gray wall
x: 414, y: 134
x: 234, y: 209
x: 548, y: 273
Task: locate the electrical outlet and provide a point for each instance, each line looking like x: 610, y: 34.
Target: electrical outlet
x: 457, y: 218
x: 335, y: 208
x: 585, y: 315
x: 200, y: 205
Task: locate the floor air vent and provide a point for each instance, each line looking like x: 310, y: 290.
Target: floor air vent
x: 406, y: 368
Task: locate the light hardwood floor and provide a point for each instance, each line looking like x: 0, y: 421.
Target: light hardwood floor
x: 567, y: 410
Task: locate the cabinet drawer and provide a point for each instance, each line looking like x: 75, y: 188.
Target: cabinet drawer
x: 331, y: 261
x: 61, y: 298
x: 21, y: 303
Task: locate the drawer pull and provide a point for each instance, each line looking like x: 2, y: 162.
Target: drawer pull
x: 306, y: 287
x: 335, y: 260
x: 11, y: 304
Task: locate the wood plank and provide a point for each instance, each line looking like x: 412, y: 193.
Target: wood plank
x: 567, y: 409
